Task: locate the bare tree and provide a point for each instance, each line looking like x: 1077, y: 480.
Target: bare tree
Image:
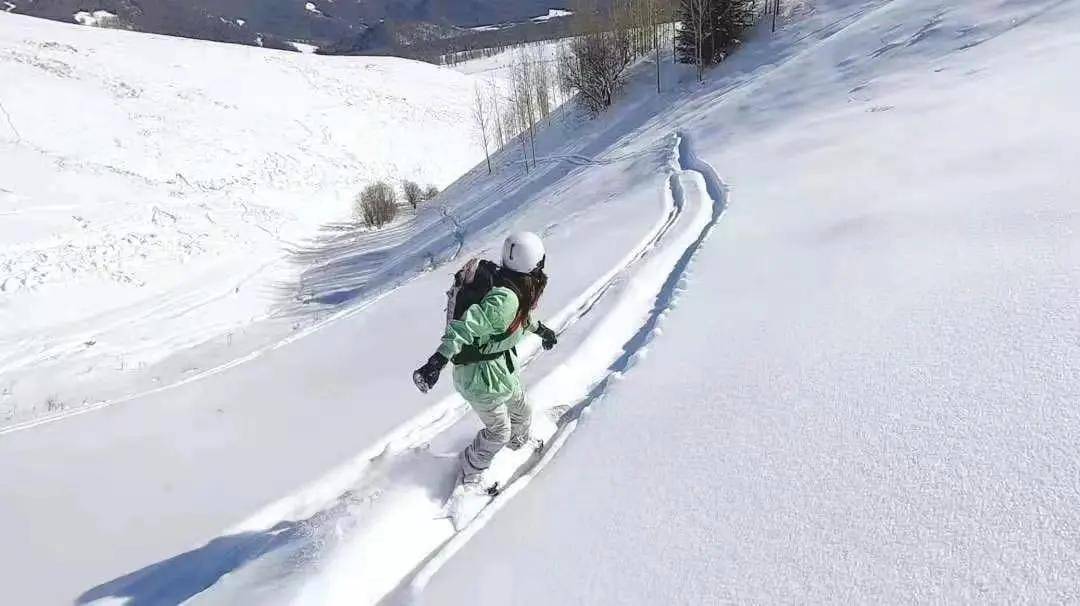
x: 563, y: 60
x: 414, y: 195
x: 524, y: 101
x: 500, y: 129
x: 697, y: 19
x: 481, y: 121
x: 377, y: 204
x: 430, y: 192
x: 512, y: 120
x: 595, y: 67
x: 644, y: 22
x: 541, y: 83
x: 656, y: 14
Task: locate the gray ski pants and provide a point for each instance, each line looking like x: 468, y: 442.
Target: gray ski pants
x: 506, y: 423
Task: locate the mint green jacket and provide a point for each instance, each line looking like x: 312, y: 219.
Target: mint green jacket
x: 486, y: 383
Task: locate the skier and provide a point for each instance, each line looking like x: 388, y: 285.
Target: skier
x: 480, y: 340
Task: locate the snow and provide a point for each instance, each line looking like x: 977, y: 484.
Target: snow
x: 497, y: 69
x: 310, y: 7
x: 553, y: 13
x: 240, y: 22
x: 97, y: 18
x: 155, y: 203
x: 9, y: 6
x: 818, y: 326
x: 304, y: 47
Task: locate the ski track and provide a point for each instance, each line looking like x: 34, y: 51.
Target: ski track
x: 358, y: 482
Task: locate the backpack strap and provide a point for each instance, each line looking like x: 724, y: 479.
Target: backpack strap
x: 470, y: 354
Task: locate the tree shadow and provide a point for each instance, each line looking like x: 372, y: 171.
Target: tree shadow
x: 345, y: 261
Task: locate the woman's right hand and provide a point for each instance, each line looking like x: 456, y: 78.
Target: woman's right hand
x: 427, y: 375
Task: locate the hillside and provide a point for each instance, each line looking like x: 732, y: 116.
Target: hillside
x: 160, y: 194
x: 281, y: 23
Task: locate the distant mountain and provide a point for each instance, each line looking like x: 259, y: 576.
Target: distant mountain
x: 345, y: 24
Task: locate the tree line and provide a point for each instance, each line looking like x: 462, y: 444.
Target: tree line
x: 510, y: 114
x: 591, y: 64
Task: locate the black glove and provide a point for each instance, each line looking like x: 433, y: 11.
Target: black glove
x: 548, y: 338
x: 427, y: 375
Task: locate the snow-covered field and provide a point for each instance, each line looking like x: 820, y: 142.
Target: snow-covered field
x: 159, y: 193
x: 499, y: 66
x: 819, y: 328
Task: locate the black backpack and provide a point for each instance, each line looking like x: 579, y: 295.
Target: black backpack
x: 471, y: 284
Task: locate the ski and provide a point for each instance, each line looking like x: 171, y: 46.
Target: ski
x: 464, y: 505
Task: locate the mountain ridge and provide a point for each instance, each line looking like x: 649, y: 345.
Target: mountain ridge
x: 282, y: 23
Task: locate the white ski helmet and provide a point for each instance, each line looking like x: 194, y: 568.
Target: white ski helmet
x: 523, y: 252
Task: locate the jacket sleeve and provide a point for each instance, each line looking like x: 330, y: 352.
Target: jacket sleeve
x: 490, y: 317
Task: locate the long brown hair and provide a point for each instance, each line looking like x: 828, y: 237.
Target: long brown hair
x: 528, y: 288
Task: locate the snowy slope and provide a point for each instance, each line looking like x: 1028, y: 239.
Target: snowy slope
x: 159, y: 476
x: 153, y: 189
x: 868, y: 389
x: 867, y: 397
x: 819, y: 328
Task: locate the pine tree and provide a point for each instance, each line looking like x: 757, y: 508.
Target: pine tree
x: 692, y: 15
x: 710, y: 28
x: 730, y: 19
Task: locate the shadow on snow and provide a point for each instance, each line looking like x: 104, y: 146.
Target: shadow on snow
x: 180, y: 577
x: 289, y: 547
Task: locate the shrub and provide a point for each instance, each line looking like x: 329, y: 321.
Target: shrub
x: 430, y: 193
x: 377, y: 205
x: 594, y: 65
